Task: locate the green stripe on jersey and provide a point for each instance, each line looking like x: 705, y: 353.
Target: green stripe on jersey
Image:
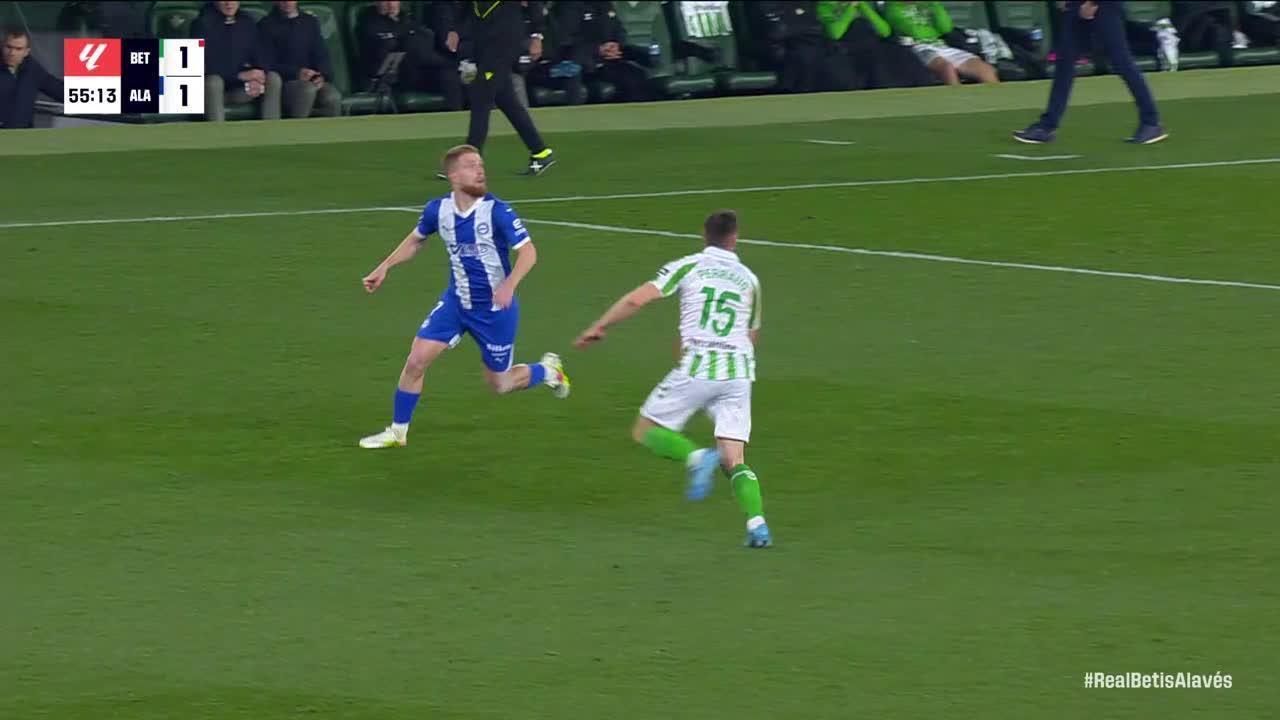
x: 712, y: 357
x: 693, y: 365
x: 670, y: 287
x: 733, y: 366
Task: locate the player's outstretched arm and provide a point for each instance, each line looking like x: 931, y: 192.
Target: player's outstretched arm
x: 526, y: 258
x: 403, y: 253
x: 626, y: 306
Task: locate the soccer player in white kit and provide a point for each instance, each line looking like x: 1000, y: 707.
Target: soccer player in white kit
x: 719, y: 325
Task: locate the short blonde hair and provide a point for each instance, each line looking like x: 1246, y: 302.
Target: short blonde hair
x: 455, y: 152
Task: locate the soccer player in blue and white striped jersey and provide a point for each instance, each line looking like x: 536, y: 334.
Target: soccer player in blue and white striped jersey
x: 479, y: 232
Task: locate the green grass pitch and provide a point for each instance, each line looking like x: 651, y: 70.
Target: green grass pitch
x: 984, y: 481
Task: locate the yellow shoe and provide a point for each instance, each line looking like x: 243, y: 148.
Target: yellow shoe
x: 557, y: 379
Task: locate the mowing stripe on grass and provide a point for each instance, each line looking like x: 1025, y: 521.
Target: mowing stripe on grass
x: 671, y: 193
x: 899, y: 181
x: 920, y: 256
x: 209, y: 216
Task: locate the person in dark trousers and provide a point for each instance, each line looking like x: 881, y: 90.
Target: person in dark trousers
x: 301, y: 58
x: 383, y: 28
x: 1107, y: 19
x: 21, y: 78
x: 237, y: 64
x: 492, y: 34
x: 439, y: 20
x: 599, y: 45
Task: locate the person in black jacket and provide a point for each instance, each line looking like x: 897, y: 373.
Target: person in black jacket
x: 20, y: 79
x: 237, y: 64
x: 1260, y: 22
x: 794, y: 42
x: 492, y: 34
x: 296, y: 46
x: 383, y: 29
x: 1205, y: 26
x: 600, y: 47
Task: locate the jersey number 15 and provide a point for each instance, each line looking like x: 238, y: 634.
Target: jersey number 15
x: 725, y: 315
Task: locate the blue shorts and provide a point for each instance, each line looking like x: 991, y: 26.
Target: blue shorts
x: 494, y: 332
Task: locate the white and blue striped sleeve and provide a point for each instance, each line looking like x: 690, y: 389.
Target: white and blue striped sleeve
x: 429, y: 222
x: 511, y: 227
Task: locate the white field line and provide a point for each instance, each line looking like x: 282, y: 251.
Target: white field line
x: 669, y: 193
x: 1035, y: 158
x: 181, y: 218
x: 802, y: 246
x: 921, y: 256
x: 815, y: 141
x: 900, y: 181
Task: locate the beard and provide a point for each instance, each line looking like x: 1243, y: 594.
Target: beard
x: 478, y: 189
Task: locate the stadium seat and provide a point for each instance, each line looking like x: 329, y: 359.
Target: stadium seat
x: 1146, y: 14
x: 38, y: 17
x: 1030, y: 16
x: 751, y: 49
x: 412, y: 101
x: 172, y: 19
x: 353, y: 103
x: 709, y: 25
x: 542, y: 96
x: 255, y: 10
x: 646, y: 25
x: 970, y: 15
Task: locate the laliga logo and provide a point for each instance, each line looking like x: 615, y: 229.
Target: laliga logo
x: 90, y: 53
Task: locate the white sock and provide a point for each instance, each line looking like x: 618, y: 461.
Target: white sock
x: 551, y: 379
x: 755, y: 522
x: 400, y: 429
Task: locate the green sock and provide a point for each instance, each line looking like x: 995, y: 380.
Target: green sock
x: 668, y: 443
x: 746, y: 487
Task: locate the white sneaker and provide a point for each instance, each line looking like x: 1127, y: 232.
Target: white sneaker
x: 385, y: 439
x: 557, y: 380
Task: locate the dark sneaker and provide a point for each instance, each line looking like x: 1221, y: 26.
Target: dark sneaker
x: 539, y: 163
x: 1148, y: 135
x: 1034, y: 135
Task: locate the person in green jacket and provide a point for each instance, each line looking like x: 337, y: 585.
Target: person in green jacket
x: 838, y: 15
x: 862, y: 32
x: 924, y: 24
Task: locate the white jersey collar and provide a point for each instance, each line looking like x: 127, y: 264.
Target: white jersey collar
x: 454, y: 201
x: 721, y: 252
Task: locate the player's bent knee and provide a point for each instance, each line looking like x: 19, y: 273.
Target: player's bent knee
x: 641, y: 428
x: 732, y: 452
x: 414, y: 367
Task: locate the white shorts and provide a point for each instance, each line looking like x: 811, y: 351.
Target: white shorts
x: 678, y: 397
x: 955, y: 56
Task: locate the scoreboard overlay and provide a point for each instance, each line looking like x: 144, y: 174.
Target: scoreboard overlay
x: 110, y: 76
